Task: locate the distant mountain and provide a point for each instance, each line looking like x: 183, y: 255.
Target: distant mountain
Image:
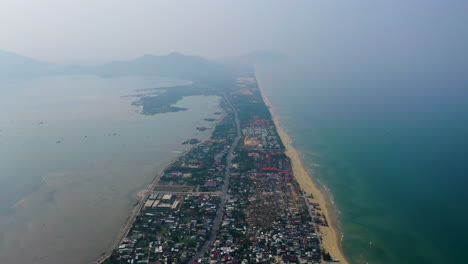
x: 257, y: 56
x: 243, y: 64
x: 14, y: 66
x: 265, y: 56
x: 174, y: 65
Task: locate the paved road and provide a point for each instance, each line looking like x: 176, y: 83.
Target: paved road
x: 216, y: 223
x: 223, y: 196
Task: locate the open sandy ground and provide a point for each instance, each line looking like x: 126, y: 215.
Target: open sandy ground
x: 331, y: 236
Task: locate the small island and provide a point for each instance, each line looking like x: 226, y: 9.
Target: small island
x: 162, y: 100
x: 191, y: 141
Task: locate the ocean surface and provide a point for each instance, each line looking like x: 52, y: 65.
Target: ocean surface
x: 74, y: 153
x: 391, y: 148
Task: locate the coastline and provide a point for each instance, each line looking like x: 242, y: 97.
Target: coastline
x: 142, y: 194
x: 331, y: 235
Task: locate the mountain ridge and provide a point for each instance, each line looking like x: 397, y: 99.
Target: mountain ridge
x: 173, y: 65
x: 14, y: 66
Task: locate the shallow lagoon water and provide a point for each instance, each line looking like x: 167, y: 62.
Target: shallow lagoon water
x: 73, y: 154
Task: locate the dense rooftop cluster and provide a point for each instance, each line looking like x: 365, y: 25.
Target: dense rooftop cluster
x: 169, y: 229
x: 224, y: 202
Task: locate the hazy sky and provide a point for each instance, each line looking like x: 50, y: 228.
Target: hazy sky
x: 99, y: 30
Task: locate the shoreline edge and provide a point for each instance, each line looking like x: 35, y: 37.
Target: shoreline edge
x: 331, y: 235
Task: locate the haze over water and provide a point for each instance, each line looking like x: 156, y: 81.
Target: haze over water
x: 374, y: 95
x: 391, y: 148
x: 73, y: 154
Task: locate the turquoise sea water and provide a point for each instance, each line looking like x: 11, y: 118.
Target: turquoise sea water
x: 393, y: 150
x: 73, y: 154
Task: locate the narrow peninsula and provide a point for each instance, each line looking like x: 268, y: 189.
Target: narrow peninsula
x: 241, y: 196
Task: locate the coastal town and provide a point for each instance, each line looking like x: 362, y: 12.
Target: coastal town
x: 232, y: 198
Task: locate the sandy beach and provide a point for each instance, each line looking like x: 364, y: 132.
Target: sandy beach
x: 331, y: 236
